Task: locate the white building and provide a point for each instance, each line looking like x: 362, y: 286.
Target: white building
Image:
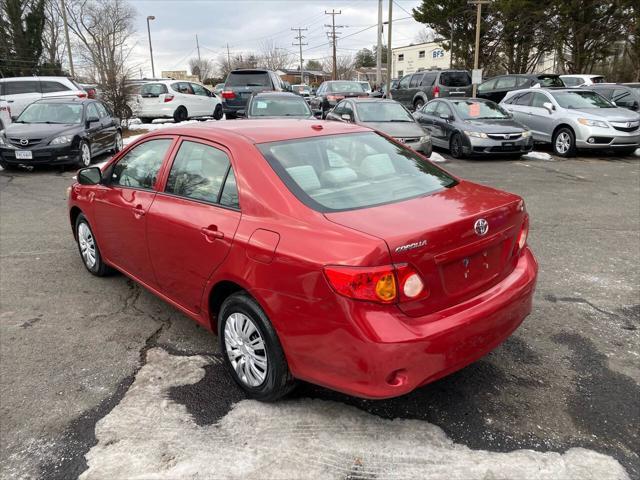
x: 411, y: 58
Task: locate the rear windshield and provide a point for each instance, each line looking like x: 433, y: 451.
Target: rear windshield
x: 153, y: 89
x: 455, y: 79
x: 279, y: 107
x: 344, y: 87
x: 345, y: 172
x: 581, y: 99
x: 249, y: 79
x: 554, y: 81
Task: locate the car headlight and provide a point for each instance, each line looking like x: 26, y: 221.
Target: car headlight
x: 61, y: 140
x: 2, y: 143
x: 425, y: 139
x: 476, y: 134
x: 592, y: 123
x: 526, y: 133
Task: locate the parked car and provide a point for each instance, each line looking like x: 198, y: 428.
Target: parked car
x: 579, y: 80
x: 241, y: 84
x: 5, y: 114
x: 414, y: 90
x: 572, y: 118
x: 277, y: 105
x: 176, y: 99
x: 317, y: 251
x: 386, y: 116
x: 329, y: 93
x: 19, y: 92
x: 60, y: 131
x: 496, y: 88
x: 218, y: 89
x: 474, y: 127
x: 623, y: 95
x: 302, y: 90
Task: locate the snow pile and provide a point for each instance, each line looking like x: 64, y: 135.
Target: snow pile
x: 538, y: 156
x: 637, y: 152
x: 436, y: 157
x: 149, y: 436
x: 157, y: 124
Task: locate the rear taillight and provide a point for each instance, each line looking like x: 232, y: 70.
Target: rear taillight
x: 522, y: 236
x: 384, y: 284
x: 334, y: 98
x: 168, y: 98
x: 228, y: 94
x: 81, y: 95
x: 436, y: 91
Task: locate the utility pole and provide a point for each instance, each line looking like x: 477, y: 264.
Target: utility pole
x: 228, y: 57
x: 334, y: 37
x: 199, y: 59
x: 379, y: 50
x: 66, y: 34
x: 389, y: 55
x: 476, y: 57
x: 300, y: 44
x: 451, y: 48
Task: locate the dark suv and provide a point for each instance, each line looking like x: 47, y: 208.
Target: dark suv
x: 241, y: 84
x: 416, y: 89
x: 496, y: 88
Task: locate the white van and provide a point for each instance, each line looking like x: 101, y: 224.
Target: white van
x: 19, y: 92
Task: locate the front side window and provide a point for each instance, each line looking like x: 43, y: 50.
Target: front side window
x: 404, y: 83
x: 430, y: 108
x: 539, y: 99
x: 351, y: 171
x: 102, y: 111
x: 139, y: 168
x: 488, y: 85
x: 524, y: 100
x: 581, y: 99
x: 51, y: 113
x: 198, y: 172
x: 383, y: 112
x: 474, y: 110
x: 92, y: 111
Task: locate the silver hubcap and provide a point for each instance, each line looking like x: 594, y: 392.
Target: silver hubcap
x: 563, y: 142
x: 87, y: 245
x: 86, y: 154
x: 245, y: 349
x: 118, y: 142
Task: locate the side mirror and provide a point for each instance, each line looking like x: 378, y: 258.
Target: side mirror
x: 346, y: 117
x: 549, y: 106
x: 614, y: 103
x: 446, y: 116
x: 91, y: 120
x: 89, y: 176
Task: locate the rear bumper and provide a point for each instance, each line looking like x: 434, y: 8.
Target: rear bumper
x: 162, y: 110
x: 394, y: 353
x: 47, y: 155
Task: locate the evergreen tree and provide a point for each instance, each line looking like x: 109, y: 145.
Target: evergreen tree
x: 21, y: 30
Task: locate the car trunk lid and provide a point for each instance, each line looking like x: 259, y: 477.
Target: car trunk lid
x: 436, y: 235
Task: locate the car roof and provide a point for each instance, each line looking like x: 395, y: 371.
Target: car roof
x: 81, y: 101
x: 32, y: 78
x: 369, y: 100
x: 276, y: 94
x: 262, y: 131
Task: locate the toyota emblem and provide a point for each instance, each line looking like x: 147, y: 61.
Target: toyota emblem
x: 481, y: 227
x: 24, y: 141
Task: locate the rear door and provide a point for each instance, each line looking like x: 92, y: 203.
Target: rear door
x: 202, y: 100
x: 95, y: 131
x: 414, y: 87
x: 21, y: 93
x: 441, y: 126
x: 427, y: 83
x: 109, y: 125
x: 520, y: 107
x: 192, y: 222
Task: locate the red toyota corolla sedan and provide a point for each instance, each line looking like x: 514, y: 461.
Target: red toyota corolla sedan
x: 318, y: 251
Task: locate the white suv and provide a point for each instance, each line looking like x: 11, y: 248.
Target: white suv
x: 177, y: 99
x: 19, y: 92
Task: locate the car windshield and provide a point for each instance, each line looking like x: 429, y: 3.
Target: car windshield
x: 51, y: 113
x: 552, y: 81
x: 344, y: 87
x: 474, y: 110
x: 383, y: 112
x: 455, y: 79
x: 279, y: 107
x: 248, y: 79
x: 582, y: 99
x: 350, y: 171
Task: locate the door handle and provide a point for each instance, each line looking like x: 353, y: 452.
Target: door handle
x: 211, y: 233
x: 138, y: 211
x: 9, y: 101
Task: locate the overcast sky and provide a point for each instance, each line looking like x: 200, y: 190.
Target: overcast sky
x: 245, y: 24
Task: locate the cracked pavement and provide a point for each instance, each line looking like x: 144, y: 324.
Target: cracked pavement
x: 71, y: 345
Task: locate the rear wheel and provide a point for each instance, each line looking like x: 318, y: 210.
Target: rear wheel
x: 230, y: 116
x: 217, y: 112
x: 564, y: 143
x: 418, y: 103
x: 88, y: 248
x: 455, y: 146
x: 180, y: 115
x: 252, y: 350
x: 146, y: 120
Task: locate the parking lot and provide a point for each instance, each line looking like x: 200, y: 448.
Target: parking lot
x: 99, y: 376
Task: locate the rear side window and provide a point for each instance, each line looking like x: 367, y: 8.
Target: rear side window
x: 249, y: 79
x: 554, y: 81
x: 17, y: 88
x: 350, y: 171
x: 428, y: 79
x: 153, y: 89
x: 455, y: 79
x: 139, y: 168
x: 506, y: 82
x: 53, y: 87
x: 523, y: 99
x: 198, y: 172
x: 488, y: 85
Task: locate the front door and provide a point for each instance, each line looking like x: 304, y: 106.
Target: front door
x: 122, y: 204
x: 192, y: 222
x: 540, y: 119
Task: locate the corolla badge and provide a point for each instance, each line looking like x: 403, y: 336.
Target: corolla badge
x: 24, y: 141
x: 411, y: 246
x: 481, y: 227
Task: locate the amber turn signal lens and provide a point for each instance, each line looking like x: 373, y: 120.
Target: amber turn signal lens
x: 386, y: 287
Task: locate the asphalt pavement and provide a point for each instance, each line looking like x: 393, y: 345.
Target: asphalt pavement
x: 98, y: 377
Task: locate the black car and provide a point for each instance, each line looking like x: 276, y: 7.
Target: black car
x: 241, y: 84
x: 60, y: 131
x: 474, y: 126
x: 277, y: 105
x: 331, y: 92
x: 496, y: 88
x: 416, y: 89
x: 624, y: 95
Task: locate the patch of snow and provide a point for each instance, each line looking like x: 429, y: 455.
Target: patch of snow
x: 538, y: 156
x: 436, y: 157
x: 158, y: 124
x: 148, y: 436
x: 637, y: 152
x: 131, y: 139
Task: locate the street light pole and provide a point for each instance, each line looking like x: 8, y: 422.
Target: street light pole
x: 389, y: 55
x: 153, y: 70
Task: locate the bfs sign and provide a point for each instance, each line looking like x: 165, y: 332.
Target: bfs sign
x: 437, y: 53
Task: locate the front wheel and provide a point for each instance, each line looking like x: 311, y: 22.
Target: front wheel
x: 88, y: 248
x: 217, y: 112
x: 564, y: 143
x: 180, y: 115
x: 231, y: 116
x: 455, y: 146
x: 626, y: 151
x: 117, y: 142
x: 84, y: 155
x: 253, y: 354
x: 146, y: 119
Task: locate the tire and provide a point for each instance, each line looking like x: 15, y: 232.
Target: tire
x: 8, y: 166
x: 180, y: 115
x: 265, y: 383
x: 230, y: 116
x: 127, y: 112
x: 84, y: 154
x: 418, y: 103
x: 117, y: 142
x: 85, y: 241
x: 217, y: 112
x: 564, y: 143
x: 146, y: 120
x: 625, y: 151
x: 455, y: 146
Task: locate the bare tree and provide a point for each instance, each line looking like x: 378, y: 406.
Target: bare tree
x: 345, y: 66
x: 52, y: 38
x: 273, y: 57
x: 203, y: 68
x: 426, y: 35
x: 227, y: 63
